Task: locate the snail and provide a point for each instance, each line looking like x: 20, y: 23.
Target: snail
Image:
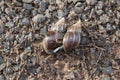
x: 54, y: 36
x: 72, y: 37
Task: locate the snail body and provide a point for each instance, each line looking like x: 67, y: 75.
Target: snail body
x: 49, y: 42
x: 53, y: 37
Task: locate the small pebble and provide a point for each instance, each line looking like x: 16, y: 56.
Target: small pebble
x: 16, y: 67
x: 27, y: 6
x: 100, y: 43
x: 84, y: 41
x: 2, y: 66
x: 38, y: 69
x: 107, y: 63
x: 9, y: 71
x: 23, y: 56
x: 9, y: 37
x: 52, y: 1
x: 34, y: 12
x: 1, y: 60
x: 28, y: 49
x: 25, y: 21
x: 99, y: 12
x: 107, y: 70
x: 105, y: 78
x: 118, y: 33
x: 32, y: 59
x: 2, y: 77
x: 100, y: 5
x: 43, y: 5
x: 70, y: 76
x: 27, y: 1
x: 60, y: 13
x: 104, y: 18
x: 2, y: 28
x: 60, y: 4
x: 47, y: 13
x: 38, y: 18
x: 91, y: 2
x: 9, y: 24
x: 37, y: 1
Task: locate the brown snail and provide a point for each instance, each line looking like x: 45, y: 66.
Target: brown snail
x: 54, y: 36
x: 72, y: 37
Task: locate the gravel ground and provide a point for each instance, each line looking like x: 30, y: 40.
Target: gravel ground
x: 23, y: 22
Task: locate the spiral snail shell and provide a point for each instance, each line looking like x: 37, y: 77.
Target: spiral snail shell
x: 52, y: 37
x: 72, y: 37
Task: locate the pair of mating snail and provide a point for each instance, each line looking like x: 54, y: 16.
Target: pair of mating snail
x: 56, y: 38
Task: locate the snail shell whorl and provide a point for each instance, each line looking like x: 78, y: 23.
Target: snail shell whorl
x: 75, y: 27
x: 71, y: 40
x: 72, y: 37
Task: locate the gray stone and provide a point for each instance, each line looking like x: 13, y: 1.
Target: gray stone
x: 33, y: 59
x: 69, y: 1
x: 28, y: 49
x: 1, y: 60
x: 34, y: 12
x: 16, y: 67
x: 2, y: 66
x: 51, y: 8
x: 27, y: 6
x: 27, y: 1
x: 9, y: 62
x: 38, y: 69
x: 9, y: 71
x: 30, y: 36
x: 17, y: 3
x: 99, y: 12
x: 105, y: 78
x: 60, y: 13
x: 10, y: 12
x: 100, y: 5
x: 44, y: 30
x: 104, y: 18
x: 9, y: 24
x: 37, y: 1
x: 52, y: 1
x: 47, y: 13
x: 107, y: 63
x: 38, y: 18
x: 91, y: 2
x: 109, y: 27
x: 43, y: 5
x: 117, y: 1
x: 9, y: 37
x: 84, y: 17
x: 2, y: 28
x: 118, y: 14
x: 25, y: 21
x: 2, y: 77
x: 118, y: 33
x: 70, y: 75
x: 107, y: 70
